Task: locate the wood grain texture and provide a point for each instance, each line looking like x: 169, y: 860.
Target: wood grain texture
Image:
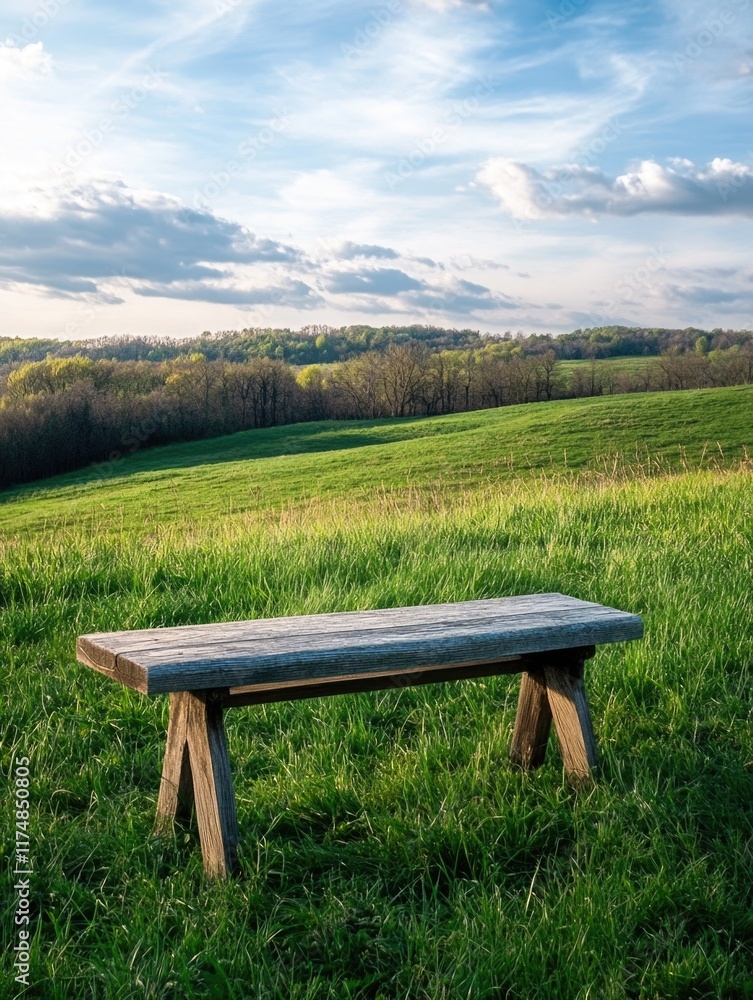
x: 532, y: 722
x: 100, y: 659
x: 317, y: 647
x: 176, y: 786
x: 212, y: 785
x: 572, y: 721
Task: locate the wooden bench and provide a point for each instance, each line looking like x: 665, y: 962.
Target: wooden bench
x: 208, y: 668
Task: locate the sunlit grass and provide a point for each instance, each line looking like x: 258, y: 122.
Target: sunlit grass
x: 389, y: 849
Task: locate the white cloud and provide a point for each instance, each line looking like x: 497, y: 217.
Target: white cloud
x: 365, y: 96
x: 24, y: 63
x: 723, y: 187
x: 383, y: 289
x: 353, y: 251
x: 721, y: 289
x: 288, y: 292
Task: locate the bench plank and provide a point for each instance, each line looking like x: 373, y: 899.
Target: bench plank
x: 320, y: 647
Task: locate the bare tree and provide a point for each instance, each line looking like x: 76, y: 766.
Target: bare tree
x: 403, y: 373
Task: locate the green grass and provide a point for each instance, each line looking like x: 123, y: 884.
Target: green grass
x: 627, y: 364
x: 389, y: 848
x: 269, y: 469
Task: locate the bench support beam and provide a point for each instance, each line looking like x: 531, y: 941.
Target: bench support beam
x: 197, y: 766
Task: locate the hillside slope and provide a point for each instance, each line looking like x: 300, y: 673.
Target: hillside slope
x: 271, y: 468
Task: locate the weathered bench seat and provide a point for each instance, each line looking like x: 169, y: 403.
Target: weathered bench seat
x: 207, y: 668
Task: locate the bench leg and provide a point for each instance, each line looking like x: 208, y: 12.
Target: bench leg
x: 213, y: 786
x: 196, y: 755
x: 572, y: 719
x: 554, y: 690
x: 176, y: 787
x: 532, y: 722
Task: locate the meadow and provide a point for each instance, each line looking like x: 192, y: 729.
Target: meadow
x: 389, y: 848
x: 353, y: 461
x: 625, y: 364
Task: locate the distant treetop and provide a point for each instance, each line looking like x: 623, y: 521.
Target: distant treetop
x: 321, y: 344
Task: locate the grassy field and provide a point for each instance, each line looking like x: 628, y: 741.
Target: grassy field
x: 626, y: 364
x: 389, y: 848
x: 267, y: 470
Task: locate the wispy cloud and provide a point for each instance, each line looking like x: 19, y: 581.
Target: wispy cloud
x: 393, y: 289
x: 374, y: 281
x: 723, y: 288
x: 289, y: 294
x: 104, y: 239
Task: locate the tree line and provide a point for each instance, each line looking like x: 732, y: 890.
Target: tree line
x: 64, y: 413
x: 321, y: 344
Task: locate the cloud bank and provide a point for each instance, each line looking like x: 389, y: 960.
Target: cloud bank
x: 82, y: 239
x: 723, y: 187
x: 103, y: 239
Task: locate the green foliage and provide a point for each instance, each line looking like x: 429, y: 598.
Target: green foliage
x: 109, y: 407
x: 19, y: 349
x: 51, y: 375
x: 311, y: 377
x: 65, y: 411
x: 319, y: 344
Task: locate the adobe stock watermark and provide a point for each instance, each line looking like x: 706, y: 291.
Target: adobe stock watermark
x: 441, y: 302
x: 244, y: 154
x: 632, y: 283
x: 263, y: 311
x: 365, y: 36
x: 447, y: 300
x: 22, y: 871
x: 556, y: 18
x: 87, y: 312
x: 708, y: 33
x: 226, y: 6
x: 32, y: 25
x: 454, y: 117
x: 120, y: 109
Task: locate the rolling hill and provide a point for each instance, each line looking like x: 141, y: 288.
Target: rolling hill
x: 269, y: 469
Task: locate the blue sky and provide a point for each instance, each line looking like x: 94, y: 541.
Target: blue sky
x: 170, y: 167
